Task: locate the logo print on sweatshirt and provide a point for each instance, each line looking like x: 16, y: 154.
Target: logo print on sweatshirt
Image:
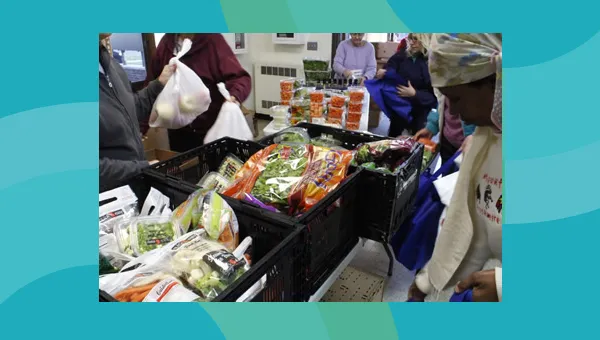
x: 487, y: 196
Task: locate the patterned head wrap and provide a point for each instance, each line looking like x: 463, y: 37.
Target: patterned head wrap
x: 456, y: 59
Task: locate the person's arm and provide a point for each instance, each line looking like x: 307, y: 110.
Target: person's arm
x: 425, y: 97
x: 144, y: 100
x: 499, y: 283
x: 236, y: 79
x: 433, y: 122
x: 338, y: 61
x: 117, y: 171
x: 392, y: 63
x: 371, y: 68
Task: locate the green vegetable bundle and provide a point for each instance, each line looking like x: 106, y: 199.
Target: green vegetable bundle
x: 283, y: 169
x: 311, y: 64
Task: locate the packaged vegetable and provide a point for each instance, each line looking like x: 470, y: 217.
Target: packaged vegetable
x: 204, y: 264
x: 352, y: 126
x: 317, y: 96
x: 218, y: 219
x: 428, y: 144
x: 294, y: 120
x: 335, y: 121
x: 303, y: 92
x: 110, y: 254
x: 325, y: 141
x: 315, y: 64
x: 317, y: 109
x: 286, y: 85
x: 214, y: 181
x: 122, y: 235
x: 286, y: 95
x: 155, y: 203
x: 230, y: 166
x: 335, y: 112
x: 292, y: 135
x: 317, y: 120
x: 355, y: 107
x: 115, y: 206
x: 315, y: 77
x: 356, y: 94
x: 183, y: 216
x: 390, y: 153
x: 353, y: 117
x: 148, y: 233
x: 285, y: 102
x: 270, y: 174
x: 338, y: 100
x: 300, y: 108
x: 326, y: 170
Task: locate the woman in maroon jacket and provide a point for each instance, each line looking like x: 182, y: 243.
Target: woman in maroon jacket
x: 214, y: 62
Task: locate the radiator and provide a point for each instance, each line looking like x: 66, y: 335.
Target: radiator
x: 266, y: 83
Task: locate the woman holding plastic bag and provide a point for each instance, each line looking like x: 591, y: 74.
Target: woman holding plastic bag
x: 467, y: 69
x: 213, y: 61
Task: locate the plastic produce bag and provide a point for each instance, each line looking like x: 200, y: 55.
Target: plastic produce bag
x: 183, y: 215
x: 111, y: 259
x: 292, y: 135
x: 142, y: 234
x: 183, y: 98
x: 387, y: 154
x: 218, y: 219
x: 149, y: 284
x: 230, y: 122
x: 156, y: 203
x: 115, y: 206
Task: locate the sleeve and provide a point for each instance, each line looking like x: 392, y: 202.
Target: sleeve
x: 392, y: 63
x: 144, y: 100
x: 423, y: 283
x: 338, y: 61
x: 237, y: 80
x: 468, y: 129
x: 425, y: 97
x: 433, y: 122
x: 499, y: 283
x: 371, y: 68
x: 117, y: 171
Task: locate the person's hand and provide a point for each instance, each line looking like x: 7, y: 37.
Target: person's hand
x: 483, y: 284
x: 466, y: 145
x: 348, y: 74
x: 234, y: 100
x: 415, y: 294
x: 406, y: 91
x: 423, y: 133
x: 153, y: 162
x: 166, y: 74
x: 380, y: 73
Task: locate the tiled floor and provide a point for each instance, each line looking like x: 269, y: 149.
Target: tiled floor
x: 373, y: 259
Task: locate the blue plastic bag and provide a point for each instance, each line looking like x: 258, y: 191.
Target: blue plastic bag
x: 465, y: 296
x: 414, y: 242
x: 384, y: 93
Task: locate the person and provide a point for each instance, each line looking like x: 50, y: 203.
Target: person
x: 467, y: 69
x: 121, y: 149
x: 411, y: 64
x: 355, y: 54
x: 214, y: 62
x: 455, y: 134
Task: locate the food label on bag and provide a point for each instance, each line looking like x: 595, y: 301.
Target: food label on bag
x: 170, y: 290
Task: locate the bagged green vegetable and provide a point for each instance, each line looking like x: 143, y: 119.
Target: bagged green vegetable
x: 388, y: 154
x: 293, y: 135
x: 214, y: 181
x: 218, y: 219
x: 183, y: 215
x: 152, y: 232
x: 230, y: 166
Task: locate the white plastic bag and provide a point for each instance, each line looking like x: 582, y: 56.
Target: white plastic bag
x: 230, y: 122
x: 156, y: 203
x: 115, y: 206
x: 183, y: 98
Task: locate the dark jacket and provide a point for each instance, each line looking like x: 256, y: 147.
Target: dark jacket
x: 416, y: 71
x: 214, y: 62
x: 121, y: 148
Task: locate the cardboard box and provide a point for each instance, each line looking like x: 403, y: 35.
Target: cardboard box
x: 159, y: 154
x: 354, y: 285
x: 386, y: 50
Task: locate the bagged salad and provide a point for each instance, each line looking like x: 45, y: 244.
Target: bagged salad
x: 293, y: 135
x: 230, y: 166
x: 292, y: 177
x: 218, y: 219
x: 385, y: 155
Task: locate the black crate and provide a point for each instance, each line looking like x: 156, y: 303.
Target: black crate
x: 275, y: 248
x: 385, y: 200
x: 329, y: 224
x: 192, y: 165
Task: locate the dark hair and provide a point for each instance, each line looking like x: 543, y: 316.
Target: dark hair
x: 487, y: 81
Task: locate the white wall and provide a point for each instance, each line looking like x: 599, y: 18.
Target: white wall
x: 261, y: 48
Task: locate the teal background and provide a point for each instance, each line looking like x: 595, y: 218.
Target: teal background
x: 48, y: 187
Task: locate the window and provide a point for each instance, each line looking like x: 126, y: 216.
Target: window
x: 128, y: 50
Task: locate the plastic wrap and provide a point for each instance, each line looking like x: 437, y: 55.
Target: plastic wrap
x: 389, y: 153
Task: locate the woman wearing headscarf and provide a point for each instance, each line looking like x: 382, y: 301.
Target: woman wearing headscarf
x: 411, y: 64
x: 214, y: 62
x: 467, y: 69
